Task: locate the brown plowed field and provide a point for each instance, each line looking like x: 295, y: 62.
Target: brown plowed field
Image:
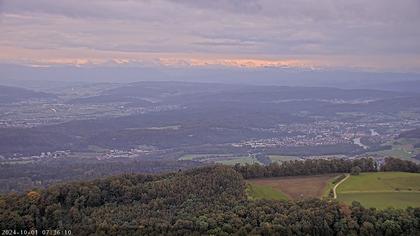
x: 298, y: 187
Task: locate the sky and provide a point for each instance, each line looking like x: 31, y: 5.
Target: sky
x: 379, y: 35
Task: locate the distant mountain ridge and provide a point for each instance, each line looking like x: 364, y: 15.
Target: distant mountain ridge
x: 13, y: 94
x: 18, y: 75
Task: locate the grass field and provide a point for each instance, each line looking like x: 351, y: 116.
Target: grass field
x: 255, y: 192
x: 398, y: 152
x: 383, y: 200
x: 279, y: 158
x: 226, y: 159
x: 401, y: 148
x: 297, y: 187
x: 189, y: 157
x: 382, y: 189
x: 238, y: 160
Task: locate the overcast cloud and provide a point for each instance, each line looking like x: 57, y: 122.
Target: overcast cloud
x: 378, y: 34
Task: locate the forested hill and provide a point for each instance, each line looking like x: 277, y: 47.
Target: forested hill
x: 13, y: 94
x: 204, y: 201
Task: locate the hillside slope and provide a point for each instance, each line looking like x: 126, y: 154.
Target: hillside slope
x: 203, y: 201
x: 14, y: 94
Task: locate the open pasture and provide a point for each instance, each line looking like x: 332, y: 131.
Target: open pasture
x: 297, y: 187
x: 382, y: 189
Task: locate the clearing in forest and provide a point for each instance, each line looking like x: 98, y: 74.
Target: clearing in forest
x: 297, y: 187
x: 382, y: 189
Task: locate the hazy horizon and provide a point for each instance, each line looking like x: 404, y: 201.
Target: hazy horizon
x: 378, y: 36
x: 209, y: 117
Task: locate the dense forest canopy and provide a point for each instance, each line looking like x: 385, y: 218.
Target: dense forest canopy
x: 202, y: 201
x: 321, y: 166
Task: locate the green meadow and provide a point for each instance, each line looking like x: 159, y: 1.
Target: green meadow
x: 383, y: 200
x: 400, y: 148
x: 239, y: 160
x: 280, y: 158
x: 382, y: 189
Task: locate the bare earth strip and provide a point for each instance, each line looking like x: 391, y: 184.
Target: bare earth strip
x: 335, y: 187
x: 298, y: 187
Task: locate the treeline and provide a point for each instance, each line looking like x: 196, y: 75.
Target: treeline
x: 41, y: 174
x: 204, y: 201
x: 394, y: 164
x: 322, y: 166
x: 91, y: 207
x: 307, y: 167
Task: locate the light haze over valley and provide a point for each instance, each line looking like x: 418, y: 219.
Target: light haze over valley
x: 225, y: 117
